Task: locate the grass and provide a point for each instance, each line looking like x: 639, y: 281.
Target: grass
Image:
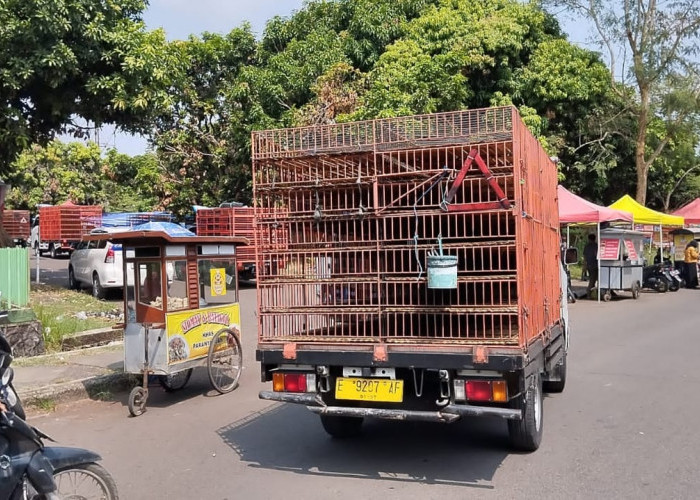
x: 57, y: 308
x: 45, y: 404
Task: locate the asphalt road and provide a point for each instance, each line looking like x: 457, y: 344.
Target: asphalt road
x: 51, y: 271
x: 626, y: 427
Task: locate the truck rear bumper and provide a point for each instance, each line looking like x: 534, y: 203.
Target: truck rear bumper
x: 448, y: 414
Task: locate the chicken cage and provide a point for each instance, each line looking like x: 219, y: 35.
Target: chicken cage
x: 376, y: 213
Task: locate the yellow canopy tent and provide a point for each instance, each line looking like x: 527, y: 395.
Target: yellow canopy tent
x: 644, y: 215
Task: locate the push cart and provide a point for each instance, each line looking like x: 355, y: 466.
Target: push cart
x: 181, y: 310
x: 621, y: 258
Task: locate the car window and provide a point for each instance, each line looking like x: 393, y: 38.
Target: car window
x: 91, y: 245
x: 81, y: 245
x: 102, y: 244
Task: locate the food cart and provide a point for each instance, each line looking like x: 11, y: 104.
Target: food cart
x: 621, y: 260
x: 180, y: 308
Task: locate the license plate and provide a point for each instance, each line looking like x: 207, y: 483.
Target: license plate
x: 369, y: 389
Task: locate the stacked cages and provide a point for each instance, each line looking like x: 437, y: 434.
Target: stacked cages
x: 17, y: 224
x: 239, y: 221
x: 67, y: 222
x: 366, y: 203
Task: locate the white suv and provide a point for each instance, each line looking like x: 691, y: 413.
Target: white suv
x: 97, y: 264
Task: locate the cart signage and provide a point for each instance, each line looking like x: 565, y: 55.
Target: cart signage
x: 218, y: 281
x: 631, y: 251
x: 190, y: 332
x: 609, y: 249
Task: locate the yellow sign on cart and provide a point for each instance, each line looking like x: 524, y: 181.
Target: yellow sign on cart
x: 218, y: 282
x: 190, y: 332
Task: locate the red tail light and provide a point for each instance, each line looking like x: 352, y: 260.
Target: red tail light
x: 293, y: 382
x: 109, y: 258
x: 478, y: 390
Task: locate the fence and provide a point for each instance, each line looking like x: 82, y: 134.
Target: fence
x: 14, y: 277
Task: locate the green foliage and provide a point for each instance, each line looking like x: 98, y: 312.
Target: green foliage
x: 65, y: 58
x: 80, y: 173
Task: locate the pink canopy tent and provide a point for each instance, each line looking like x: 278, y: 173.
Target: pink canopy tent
x: 574, y: 209
x: 691, y: 212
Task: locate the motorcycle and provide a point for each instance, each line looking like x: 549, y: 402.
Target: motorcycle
x: 31, y: 471
x: 673, y: 276
x: 653, y: 277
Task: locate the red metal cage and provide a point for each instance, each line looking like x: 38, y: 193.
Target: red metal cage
x: 16, y: 223
x: 362, y: 205
x: 67, y: 222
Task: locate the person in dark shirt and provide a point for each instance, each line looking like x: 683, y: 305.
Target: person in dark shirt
x: 590, y: 255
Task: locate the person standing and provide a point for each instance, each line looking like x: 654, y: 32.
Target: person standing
x: 590, y: 256
x: 691, y: 264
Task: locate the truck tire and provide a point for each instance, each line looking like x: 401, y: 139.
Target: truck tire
x: 37, y: 252
x: 52, y: 251
x: 559, y: 372
x: 526, y: 434
x: 341, y: 427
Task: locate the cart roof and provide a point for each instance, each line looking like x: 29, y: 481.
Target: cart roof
x: 146, y: 238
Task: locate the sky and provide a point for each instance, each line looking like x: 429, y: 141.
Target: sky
x: 180, y: 18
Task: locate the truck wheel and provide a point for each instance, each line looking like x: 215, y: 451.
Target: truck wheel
x: 52, y: 251
x: 97, y: 291
x: 526, y: 434
x: 341, y: 427
x: 559, y: 372
x: 37, y: 252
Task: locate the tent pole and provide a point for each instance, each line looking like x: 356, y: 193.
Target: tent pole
x: 598, y: 261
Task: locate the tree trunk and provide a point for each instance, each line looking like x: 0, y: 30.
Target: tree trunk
x: 640, y: 146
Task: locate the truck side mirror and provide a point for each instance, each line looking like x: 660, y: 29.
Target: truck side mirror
x: 571, y: 256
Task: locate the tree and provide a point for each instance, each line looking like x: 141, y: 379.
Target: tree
x: 62, y: 59
x: 77, y: 172
x: 651, y: 46
x: 203, y: 141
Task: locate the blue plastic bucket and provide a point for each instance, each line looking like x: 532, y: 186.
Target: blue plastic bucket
x: 442, y: 271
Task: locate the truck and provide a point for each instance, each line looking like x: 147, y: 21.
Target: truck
x: 57, y: 229
x: 16, y: 224
x: 423, y: 275
x: 236, y: 219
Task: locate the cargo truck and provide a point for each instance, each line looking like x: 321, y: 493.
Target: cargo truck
x: 16, y: 224
x: 423, y: 276
x: 57, y: 229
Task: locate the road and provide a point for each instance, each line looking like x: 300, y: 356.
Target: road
x: 51, y: 271
x: 626, y: 427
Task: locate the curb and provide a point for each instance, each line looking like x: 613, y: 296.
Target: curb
x: 91, y: 338
x: 87, y: 388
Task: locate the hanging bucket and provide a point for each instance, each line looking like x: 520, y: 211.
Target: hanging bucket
x: 442, y: 271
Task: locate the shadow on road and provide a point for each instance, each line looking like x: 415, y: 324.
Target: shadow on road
x: 290, y: 438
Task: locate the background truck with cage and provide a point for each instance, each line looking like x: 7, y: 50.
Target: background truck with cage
x: 422, y: 277
x: 17, y: 225
x: 58, y: 228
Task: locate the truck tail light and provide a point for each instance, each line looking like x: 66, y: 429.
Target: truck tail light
x: 294, y: 382
x: 109, y: 258
x: 481, y: 390
x: 478, y: 390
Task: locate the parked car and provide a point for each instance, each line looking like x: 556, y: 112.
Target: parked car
x: 96, y: 264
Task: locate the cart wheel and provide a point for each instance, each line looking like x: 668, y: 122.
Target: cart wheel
x: 224, y: 361
x: 137, y: 401
x: 175, y: 381
x: 607, y: 296
x: 635, y: 290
